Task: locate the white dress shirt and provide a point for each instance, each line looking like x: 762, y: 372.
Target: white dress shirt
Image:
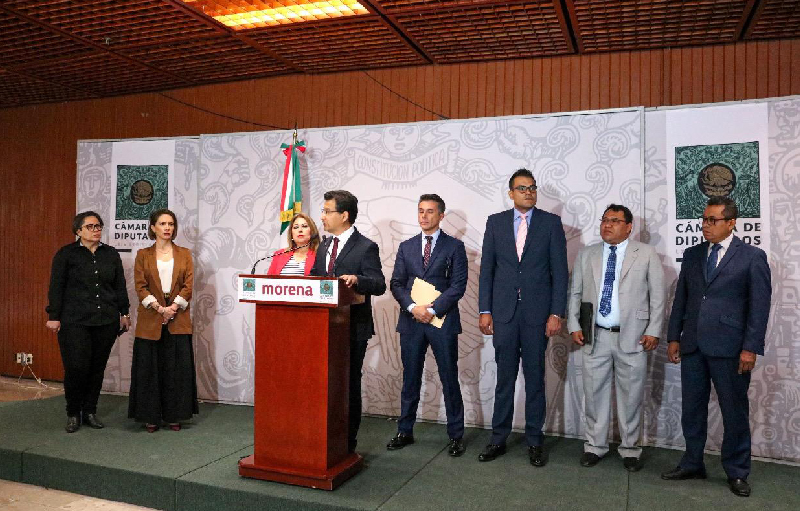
x: 517, y: 218
x: 725, y: 244
x: 165, y: 269
x: 612, y: 320
x: 342, y: 242
x: 433, y: 245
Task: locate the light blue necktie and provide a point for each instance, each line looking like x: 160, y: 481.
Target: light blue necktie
x: 608, y: 283
x: 711, y: 263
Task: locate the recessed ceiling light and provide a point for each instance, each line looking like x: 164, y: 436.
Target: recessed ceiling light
x: 254, y: 14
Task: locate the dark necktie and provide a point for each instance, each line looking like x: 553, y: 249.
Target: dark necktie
x: 711, y: 263
x: 333, y: 255
x: 426, y: 256
x: 608, y: 283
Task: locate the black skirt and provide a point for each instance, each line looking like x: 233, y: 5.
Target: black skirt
x: 163, y: 386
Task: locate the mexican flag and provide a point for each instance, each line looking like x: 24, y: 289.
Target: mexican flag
x: 291, y: 194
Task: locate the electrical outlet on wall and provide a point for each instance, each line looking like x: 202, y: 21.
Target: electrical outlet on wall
x: 19, y: 358
x: 28, y: 358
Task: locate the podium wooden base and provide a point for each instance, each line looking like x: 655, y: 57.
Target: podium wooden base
x: 328, y: 480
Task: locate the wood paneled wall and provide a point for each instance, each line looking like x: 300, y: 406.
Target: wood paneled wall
x: 38, y: 144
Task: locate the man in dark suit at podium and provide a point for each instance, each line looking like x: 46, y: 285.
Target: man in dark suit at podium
x: 441, y: 261
x: 354, y: 259
x: 716, y: 330
x: 522, y: 299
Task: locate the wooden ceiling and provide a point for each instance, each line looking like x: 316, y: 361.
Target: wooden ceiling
x: 63, y: 50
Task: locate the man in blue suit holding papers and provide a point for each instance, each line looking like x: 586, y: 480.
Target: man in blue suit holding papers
x: 441, y: 261
x: 716, y: 329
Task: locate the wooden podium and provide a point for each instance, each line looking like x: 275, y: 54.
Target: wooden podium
x: 302, y: 362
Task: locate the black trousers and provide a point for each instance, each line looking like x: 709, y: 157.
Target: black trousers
x: 358, y: 349
x: 84, y: 353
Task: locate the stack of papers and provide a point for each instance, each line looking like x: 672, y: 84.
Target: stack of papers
x: 422, y: 293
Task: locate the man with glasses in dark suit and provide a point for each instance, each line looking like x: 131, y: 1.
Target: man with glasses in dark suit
x: 522, y: 300
x: 716, y: 330
x: 354, y: 259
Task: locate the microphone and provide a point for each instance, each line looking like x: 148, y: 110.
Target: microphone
x: 310, y: 241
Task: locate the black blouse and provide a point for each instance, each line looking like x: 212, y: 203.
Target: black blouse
x: 87, y: 288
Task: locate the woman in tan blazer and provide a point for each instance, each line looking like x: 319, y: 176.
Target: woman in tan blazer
x: 163, y: 384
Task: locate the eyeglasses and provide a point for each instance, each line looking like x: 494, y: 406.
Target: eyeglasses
x: 93, y: 227
x: 329, y: 211
x: 710, y: 220
x: 612, y: 221
x: 523, y: 189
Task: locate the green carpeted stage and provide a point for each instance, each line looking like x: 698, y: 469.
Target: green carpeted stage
x: 196, y: 469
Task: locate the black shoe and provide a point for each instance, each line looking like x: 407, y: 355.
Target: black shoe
x: 631, y: 464
x: 589, y: 459
x: 739, y: 487
x: 92, y: 421
x: 73, y: 424
x: 537, y: 455
x: 456, y: 447
x: 399, y: 441
x: 491, y: 452
x: 679, y: 474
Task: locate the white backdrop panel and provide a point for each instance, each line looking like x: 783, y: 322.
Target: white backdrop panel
x: 582, y: 162
x: 775, y: 385
x: 96, y: 177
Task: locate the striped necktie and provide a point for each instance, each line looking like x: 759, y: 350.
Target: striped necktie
x: 426, y: 257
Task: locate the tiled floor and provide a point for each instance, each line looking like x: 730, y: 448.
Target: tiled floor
x: 25, y: 497
x: 13, y: 389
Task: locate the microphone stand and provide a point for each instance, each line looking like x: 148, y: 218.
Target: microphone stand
x: 287, y: 251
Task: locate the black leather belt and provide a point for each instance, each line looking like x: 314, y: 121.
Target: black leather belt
x: 612, y: 329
